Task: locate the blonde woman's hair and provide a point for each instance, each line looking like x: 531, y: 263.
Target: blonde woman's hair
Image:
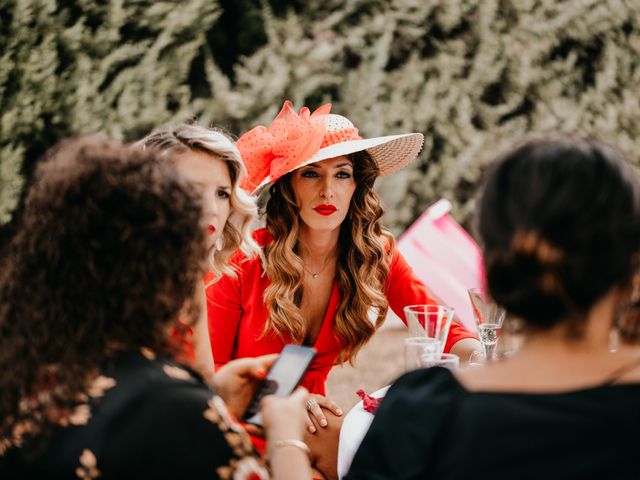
x: 363, y: 263
x: 237, y: 231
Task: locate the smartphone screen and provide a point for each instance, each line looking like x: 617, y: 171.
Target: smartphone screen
x: 283, y: 377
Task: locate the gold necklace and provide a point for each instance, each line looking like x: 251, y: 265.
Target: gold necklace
x: 316, y: 275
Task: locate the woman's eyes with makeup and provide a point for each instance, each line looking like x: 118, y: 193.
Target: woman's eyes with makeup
x: 309, y: 174
x: 343, y: 174
x: 224, y: 194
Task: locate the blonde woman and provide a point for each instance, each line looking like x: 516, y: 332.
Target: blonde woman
x: 329, y: 265
x: 209, y: 159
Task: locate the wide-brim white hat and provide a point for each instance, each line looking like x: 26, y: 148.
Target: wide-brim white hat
x: 290, y: 143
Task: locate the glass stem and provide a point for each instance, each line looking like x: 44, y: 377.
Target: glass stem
x: 488, y: 351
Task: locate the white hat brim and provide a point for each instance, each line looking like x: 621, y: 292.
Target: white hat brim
x: 391, y: 153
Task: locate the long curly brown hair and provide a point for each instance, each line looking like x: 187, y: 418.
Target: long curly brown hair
x: 109, y: 252
x: 362, y: 267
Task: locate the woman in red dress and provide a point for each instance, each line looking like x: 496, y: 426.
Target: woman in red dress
x: 329, y: 270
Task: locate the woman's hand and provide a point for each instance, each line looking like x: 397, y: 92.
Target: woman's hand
x: 314, y: 405
x: 237, y: 381
x: 284, y: 420
x: 284, y: 417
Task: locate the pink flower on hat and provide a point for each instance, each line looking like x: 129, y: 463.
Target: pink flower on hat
x: 275, y: 150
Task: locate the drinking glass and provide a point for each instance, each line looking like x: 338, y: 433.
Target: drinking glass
x: 416, y: 347
x: 476, y: 359
x: 511, y: 337
x: 430, y: 321
x: 489, y: 318
x: 445, y: 360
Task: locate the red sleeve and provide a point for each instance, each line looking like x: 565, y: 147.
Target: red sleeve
x: 224, y: 309
x: 403, y: 288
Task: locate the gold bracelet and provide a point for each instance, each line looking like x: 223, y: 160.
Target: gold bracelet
x: 291, y: 442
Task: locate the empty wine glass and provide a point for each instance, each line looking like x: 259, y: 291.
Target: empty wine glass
x: 430, y: 321
x: 489, y: 318
x: 449, y: 361
x: 416, y: 347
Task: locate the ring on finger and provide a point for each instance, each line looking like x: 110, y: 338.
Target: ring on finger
x: 311, y: 404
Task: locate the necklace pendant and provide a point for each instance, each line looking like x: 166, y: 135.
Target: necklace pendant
x: 315, y: 275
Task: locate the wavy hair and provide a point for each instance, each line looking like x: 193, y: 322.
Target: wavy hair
x: 108, y: 254
x: 363, y: 262
x: 236, y: 234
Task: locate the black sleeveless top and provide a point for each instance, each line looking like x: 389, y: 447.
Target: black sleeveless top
x: 430, y: 426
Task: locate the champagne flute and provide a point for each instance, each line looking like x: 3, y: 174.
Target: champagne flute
x: 489, y: 318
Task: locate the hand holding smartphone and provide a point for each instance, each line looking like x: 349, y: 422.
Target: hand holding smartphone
x: 283, y: 377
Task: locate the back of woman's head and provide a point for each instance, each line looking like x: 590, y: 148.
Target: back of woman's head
x: 109, y: 252
x: 560, y: 224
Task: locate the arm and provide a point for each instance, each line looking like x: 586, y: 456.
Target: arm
x: 284, y: 419
x: 236, y: 383
x: 403, y: 288
x: 464, y: 347
x: 224, y: 311
x: 203, y: 362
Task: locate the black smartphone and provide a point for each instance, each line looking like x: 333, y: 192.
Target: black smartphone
x: 283, y: 377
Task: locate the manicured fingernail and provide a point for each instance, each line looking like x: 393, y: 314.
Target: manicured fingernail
x: 312, y: 429
x: 261, y: 373
x: 339, y: 411
x: 323, y: 422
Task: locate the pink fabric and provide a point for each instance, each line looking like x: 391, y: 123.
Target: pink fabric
x: 445, y: 257
x: 279, y: 148
x: 369, y: 403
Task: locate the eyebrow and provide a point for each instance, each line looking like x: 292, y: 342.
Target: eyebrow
x: 340, y: 165
x: 204, y: 185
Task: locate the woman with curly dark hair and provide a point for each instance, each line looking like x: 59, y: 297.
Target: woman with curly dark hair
x: 559, y: 222
x: 110, y: 253
x: 330, y: 269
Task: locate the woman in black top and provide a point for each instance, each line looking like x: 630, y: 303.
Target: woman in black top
x: 560, y: 225
x: 108, y: 258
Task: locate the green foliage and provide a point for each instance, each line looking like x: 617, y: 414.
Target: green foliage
x: 473, y: 76
x: 114, y: 67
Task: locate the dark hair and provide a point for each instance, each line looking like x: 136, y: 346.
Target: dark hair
x: 559, y: 220
x: 108, y: 254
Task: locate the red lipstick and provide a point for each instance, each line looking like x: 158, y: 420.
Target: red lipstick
x: 325, y: 210
x: 212, y: 230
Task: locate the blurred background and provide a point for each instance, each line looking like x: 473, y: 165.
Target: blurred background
x: 473, y: 76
